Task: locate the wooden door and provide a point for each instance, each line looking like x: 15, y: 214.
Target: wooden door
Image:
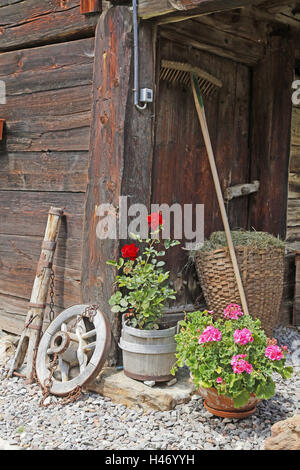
x: 181, y: 172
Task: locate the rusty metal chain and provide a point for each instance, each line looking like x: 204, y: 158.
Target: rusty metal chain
x: 48, y: 382
x: 75, y: 394
x: 52, y: 293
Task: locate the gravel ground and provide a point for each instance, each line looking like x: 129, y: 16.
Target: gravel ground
x: 94, y: 422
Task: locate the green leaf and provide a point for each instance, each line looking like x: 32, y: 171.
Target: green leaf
x: 116, y: 308
x: 266, y: 390
x: 287, y: 372
x: 160, y: 263
x: 111, y: 262
x: 241, y: 399
x: 205, y: 384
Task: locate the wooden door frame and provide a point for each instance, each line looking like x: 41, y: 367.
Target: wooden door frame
x: 122, y: 145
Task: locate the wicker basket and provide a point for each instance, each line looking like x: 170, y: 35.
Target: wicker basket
x: 262, y: 273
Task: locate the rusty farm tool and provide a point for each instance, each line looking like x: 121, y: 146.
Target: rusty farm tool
x: 202, y: 83
x: 72, y: 351
x: 30, y: 336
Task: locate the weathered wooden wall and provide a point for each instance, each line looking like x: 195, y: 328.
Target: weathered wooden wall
x: 44, y: 153
x: 293, y: 211
x: 27, y: 23
x: 47, y: 63
x: 290, y: 304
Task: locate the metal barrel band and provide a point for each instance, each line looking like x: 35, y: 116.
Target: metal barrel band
x: 48, y: 245
x: 147, y: 349
x: 56, y: 211
x: 33, y: 327
x: 34, y: 305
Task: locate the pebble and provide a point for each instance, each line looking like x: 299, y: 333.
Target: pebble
x: 94, y: 422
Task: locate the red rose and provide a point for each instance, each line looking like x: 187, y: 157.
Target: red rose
x: 154, y: 220
x: 130, y: 251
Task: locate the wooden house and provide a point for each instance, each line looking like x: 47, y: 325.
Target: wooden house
x: 73, y: 138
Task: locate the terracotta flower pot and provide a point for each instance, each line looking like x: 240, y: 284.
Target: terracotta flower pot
x: 220, y: 405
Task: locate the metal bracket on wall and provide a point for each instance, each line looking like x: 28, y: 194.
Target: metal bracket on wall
x: 241, y: 190
x: 90, y: 6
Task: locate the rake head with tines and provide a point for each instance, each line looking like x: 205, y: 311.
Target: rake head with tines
x: 181, y: 73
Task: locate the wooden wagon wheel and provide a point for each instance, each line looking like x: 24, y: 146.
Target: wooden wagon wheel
x: 81, y: 344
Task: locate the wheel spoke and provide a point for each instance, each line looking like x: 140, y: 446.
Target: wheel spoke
x: 89, y: 346
x: 64, y: 369
x: 89, y: 334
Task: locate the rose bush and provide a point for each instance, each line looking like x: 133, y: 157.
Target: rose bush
x: 231, y: 354
x: 142, y: 283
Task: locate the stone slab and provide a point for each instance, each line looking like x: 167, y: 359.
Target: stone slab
x: 115, y: 385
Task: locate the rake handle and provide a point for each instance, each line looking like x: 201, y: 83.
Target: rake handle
x: 205, y: 132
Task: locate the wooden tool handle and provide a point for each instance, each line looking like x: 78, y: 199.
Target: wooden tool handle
x: 203, y: 124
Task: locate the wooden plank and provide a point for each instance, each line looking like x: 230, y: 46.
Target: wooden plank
x: 294, y: 186
x: 45, y: 64
x: 13, y: 311
x: 293, y: 212
x: 296, y: 309
x: 295, y: 131
x: 48, y: 97
x: 293, y: 237
x: 90, y: 6
x: 25, y: 212
x: 67, y: 281
x: 182, y: 9
x: 208, y: 38
x: 25, y: 249
x: 44, y: 171
x: 239, y: 23
x: 270, y: 154
x: 121, y: 147
x: 113, y: 54
x: 48, y: 133
x: 295, y: 159
x: 36, y: 22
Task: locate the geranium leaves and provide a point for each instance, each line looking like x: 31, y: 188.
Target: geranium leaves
x: 143, y: 284
x: 265, y: 390
x: 241, y: 399
x: 211, y: 363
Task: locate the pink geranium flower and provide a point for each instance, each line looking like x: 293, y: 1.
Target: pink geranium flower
x: 219, y: 380
x: 274, y: 353
x: 243, y: 336
x: 233, y: 311
x: 239, y: 365
x: 210, y: 334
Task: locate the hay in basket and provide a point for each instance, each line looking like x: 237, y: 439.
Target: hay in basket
x: 260, y: 257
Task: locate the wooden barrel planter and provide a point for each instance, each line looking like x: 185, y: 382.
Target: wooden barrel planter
x: 148, y: 354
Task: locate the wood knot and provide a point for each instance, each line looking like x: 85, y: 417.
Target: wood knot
x: 104, y: 119
x: 111, y: 186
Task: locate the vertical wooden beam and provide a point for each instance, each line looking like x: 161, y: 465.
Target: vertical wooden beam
x: 270, y: 142
x: 296, y: 309
x: 90, y: 6
x: 120, y: 152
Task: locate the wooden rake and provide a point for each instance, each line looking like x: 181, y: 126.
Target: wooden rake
x: 202, y: 83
